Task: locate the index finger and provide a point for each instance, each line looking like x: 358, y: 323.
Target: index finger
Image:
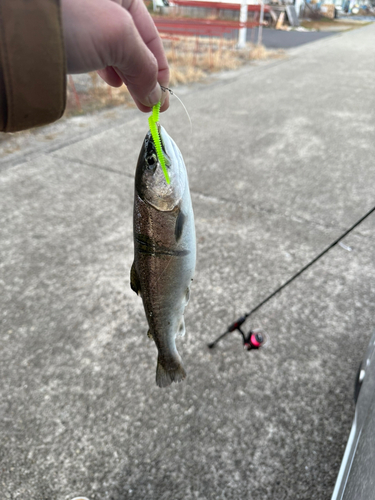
x: 150, y: 35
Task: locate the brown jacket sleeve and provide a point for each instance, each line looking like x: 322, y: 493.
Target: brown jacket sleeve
x: 32, y: 64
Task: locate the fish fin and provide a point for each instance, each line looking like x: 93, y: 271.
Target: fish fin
x: 134, y: 280
x: 164, y: 377
x: 179, y: 225
x: 181, y: 328
x: 187, y: 295
x: 149, y: 334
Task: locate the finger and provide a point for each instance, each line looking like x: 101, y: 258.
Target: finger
x: 150, y: 35
x: 139, y: 76
x: 110, y: 76
x: 164, y: 101
x: 132, y: 60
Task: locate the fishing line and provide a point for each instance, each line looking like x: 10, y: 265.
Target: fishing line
x: 165, y: 89
x: 153, y: 122
x: 237, y: 324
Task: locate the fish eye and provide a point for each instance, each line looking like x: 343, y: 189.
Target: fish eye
x: 151, y: 162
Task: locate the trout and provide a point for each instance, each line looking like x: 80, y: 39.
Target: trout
x: 164, y: 250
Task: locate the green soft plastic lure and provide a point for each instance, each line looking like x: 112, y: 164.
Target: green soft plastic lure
x: 153, y: 120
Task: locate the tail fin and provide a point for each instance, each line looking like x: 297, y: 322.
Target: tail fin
x: 165, y: 377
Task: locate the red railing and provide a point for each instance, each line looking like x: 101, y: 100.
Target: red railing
x: 218, y: 5
x: 190, y: 27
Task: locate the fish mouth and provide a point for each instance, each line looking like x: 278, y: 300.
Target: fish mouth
x: 167, y: 158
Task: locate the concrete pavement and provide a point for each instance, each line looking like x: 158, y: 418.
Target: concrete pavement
x: 280, y: 163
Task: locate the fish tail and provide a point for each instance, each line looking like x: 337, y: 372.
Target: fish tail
x: 165, y: 377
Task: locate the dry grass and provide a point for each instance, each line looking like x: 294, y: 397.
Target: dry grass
x: 94, y: 97
x: 258, y: 52
x: 324, y: 24
x: 191, y: 64
x: 191, y: 59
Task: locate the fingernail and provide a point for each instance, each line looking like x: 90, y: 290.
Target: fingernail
x: 155, y: 95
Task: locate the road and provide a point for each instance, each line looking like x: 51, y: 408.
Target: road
x: 278, y: 39
x: 280, y: 163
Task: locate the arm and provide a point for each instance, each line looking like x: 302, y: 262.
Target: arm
x: 32, y: 64
x: 116, y: 37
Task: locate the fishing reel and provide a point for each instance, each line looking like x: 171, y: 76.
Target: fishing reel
x: 252, y: 340
x: 255, y: 340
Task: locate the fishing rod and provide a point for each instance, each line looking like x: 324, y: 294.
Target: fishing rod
x: 255, y: 340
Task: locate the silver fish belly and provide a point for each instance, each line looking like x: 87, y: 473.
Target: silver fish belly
x: 164, y: 251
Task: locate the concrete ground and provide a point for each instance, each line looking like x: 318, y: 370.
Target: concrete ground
x: 280, y: 163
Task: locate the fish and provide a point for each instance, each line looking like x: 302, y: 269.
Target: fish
x: 164, y: 250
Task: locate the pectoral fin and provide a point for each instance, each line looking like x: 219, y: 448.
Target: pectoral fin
x: 179, y: 225
x: 134, y: 281
x: 181, y: 328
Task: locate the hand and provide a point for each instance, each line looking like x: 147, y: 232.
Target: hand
x: 119, y: 39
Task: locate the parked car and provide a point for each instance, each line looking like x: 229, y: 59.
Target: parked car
x: 356, y: 479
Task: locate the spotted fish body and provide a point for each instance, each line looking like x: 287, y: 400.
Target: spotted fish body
x: 164, y: 250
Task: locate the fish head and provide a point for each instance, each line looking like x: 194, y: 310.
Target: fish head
x: 150, y: 183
